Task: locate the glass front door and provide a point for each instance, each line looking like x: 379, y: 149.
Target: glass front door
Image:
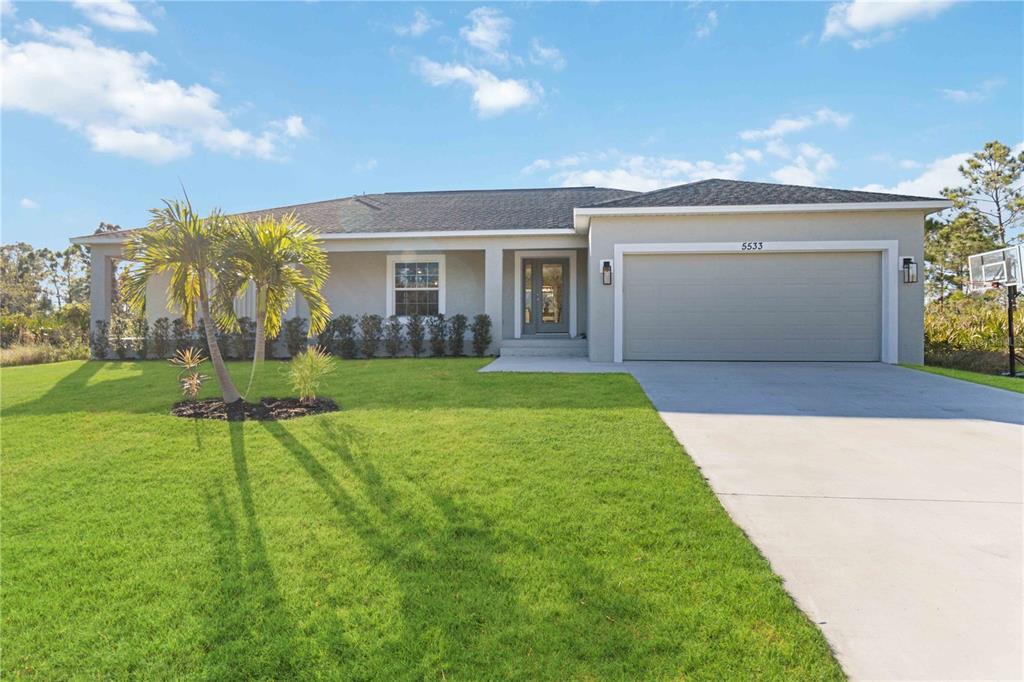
x: 545, y: 296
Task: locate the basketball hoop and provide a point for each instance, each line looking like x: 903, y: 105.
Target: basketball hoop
x: 996, y: 270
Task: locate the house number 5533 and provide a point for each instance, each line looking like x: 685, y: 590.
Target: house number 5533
x: 751, y: 246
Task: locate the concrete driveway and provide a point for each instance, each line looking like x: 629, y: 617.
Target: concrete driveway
x: 889, y: 500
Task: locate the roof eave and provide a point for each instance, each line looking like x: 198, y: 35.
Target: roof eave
x: 582, y: 216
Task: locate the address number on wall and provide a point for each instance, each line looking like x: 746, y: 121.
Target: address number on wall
x: 752, y: 246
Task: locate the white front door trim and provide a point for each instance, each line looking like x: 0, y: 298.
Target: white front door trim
x: 889, y: 250
x: 518, y: 295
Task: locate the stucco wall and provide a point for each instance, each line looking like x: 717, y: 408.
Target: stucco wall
x: 907, y: 227
x: 358, y: 282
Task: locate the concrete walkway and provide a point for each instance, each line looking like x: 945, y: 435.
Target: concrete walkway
x: 889, y: 500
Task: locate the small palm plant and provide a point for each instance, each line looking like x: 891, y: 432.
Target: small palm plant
x: 307, y: 369
x: 189, y: 360
x: 278, y: 256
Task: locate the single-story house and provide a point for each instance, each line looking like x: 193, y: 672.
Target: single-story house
x: 711, y: 270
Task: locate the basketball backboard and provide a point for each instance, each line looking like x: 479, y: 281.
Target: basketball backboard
x: 995, y: 268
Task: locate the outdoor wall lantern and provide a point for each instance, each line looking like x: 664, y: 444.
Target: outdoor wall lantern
x: 606, y: 272
x: 909, y: 271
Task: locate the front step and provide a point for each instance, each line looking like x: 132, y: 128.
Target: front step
x: 544, y: 347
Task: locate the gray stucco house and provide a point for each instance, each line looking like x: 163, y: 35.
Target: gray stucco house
x: 710, y: 270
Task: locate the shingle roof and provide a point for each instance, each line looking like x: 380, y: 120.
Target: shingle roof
x: 460, y: 210
x: 717, y: 192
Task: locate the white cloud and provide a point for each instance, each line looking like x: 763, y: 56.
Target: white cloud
x: 785, y: 126
x: 641, y: 173
x: 488, y: 32
x: 109, y: 96
x: 708, y: 25
x: 421, y: 23
x: 937, y: 175
x: 492, y: 96
x: 148, y: 146
x: 809, y: 167
x: 7, y: 8
x: 982, y: 92
x: 117, y: 15
x: 27, y: 203
x: 294, y: 127
x: 366, y: 166
x: 867, y: 22
x: 755, y: 155
x: 543, y: 55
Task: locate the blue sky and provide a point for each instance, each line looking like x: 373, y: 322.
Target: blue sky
x: 107, y: 106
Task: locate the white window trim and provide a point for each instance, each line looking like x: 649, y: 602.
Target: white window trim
x: 396, y: 258
x: 519, y: 256
x: 889, y: 250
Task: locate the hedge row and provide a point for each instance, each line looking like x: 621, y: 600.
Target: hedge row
x: 346, y: 336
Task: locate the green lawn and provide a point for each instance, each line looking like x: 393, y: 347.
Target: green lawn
x: 445, y: 525
x: 1015, y: 384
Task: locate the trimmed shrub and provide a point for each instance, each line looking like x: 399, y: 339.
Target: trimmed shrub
x: 246, y: 338
x: 371, y: 329
x: 457, y: 334
x: 481, y: 329
x: 182, y: 335
x: 414, y: 327
x: 295, y: 335
x: 437, y: 327
x: 119, y: 338
x: 325, y: 339
x: 101, y: 340
x: 162, y: 338
x: 141, y: 331
x: 394, y: 339
x: 269, y: 344
x: 204, y: 344
x: 346, y: 336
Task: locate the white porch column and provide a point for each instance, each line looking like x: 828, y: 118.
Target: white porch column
x: 101, y: 284
x: 493, y: 257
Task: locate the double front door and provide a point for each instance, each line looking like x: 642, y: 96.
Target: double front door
x: 545, y: 295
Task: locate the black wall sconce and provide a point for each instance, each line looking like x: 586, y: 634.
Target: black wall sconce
x: 606, y: 272
x: 909, y: 271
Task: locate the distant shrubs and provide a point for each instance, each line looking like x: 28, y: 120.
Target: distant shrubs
x: 38, y: 353
x: 968, y: 332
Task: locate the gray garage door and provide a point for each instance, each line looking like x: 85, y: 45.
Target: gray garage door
x: 763, y: 306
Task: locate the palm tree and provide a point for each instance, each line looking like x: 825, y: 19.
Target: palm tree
x: 186, y: 246
x: 278, y: 256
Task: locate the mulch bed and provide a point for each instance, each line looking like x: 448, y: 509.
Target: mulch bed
x: 267, y: 409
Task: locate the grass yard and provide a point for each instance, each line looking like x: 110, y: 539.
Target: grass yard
x: 445, y: 525
x: 1015, y: 384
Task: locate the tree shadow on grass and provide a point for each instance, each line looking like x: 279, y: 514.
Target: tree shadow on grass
x: 463, y: 613
x: 77, y: 391
x: 249, y: 632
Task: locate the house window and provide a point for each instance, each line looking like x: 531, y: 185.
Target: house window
x: 416, y: 285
